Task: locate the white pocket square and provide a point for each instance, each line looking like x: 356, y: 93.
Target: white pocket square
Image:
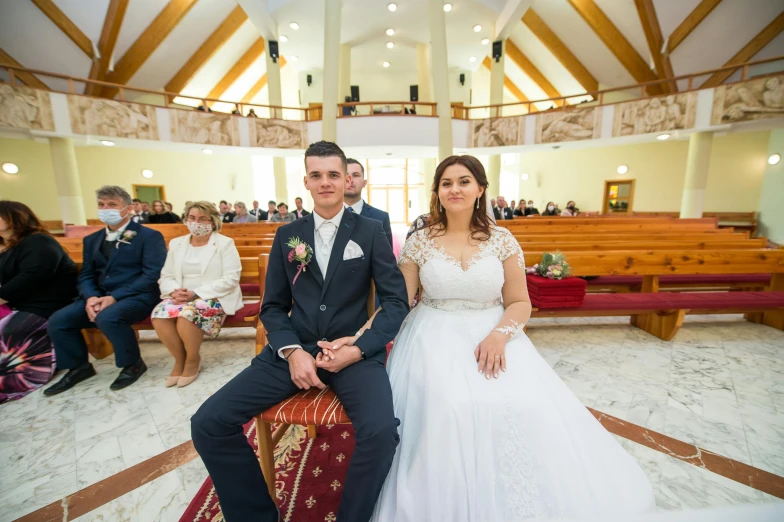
x: 352, y: 251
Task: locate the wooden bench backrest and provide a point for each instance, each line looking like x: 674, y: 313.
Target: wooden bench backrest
x: 683, y: 246
x: 610, y: 219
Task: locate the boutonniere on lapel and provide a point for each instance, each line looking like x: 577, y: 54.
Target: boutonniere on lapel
x: 301, y: 253
x: 126, y: 238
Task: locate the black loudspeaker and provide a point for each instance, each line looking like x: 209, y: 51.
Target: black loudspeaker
x: 414, y: 92
x: 355, y: 93
x: 273, y: 50
x: 310, y: 79
x: 498, y: 50
x: 462, y: 79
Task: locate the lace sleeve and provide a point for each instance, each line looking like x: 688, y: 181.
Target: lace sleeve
x: 508, y: 246
x: 412, y: 256
x: 515, y: 291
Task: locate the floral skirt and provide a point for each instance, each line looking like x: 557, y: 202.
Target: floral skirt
x: 26, y: 355
x: 207, y: 314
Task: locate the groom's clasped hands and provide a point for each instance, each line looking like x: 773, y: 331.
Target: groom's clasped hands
x: 335, y: 356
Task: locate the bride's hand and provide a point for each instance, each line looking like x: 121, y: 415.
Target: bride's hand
x: 327, y: 347
x: 490, y: 354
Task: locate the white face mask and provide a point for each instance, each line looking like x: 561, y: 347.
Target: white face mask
x: 550, y: 208
x: 199, y: 229
x: 110, y: 216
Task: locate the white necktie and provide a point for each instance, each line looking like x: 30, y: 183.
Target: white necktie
x: 326, y: 233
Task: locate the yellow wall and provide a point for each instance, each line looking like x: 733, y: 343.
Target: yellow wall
x: 771, y: 216
x: 737, y: 168
x: 34, y: 185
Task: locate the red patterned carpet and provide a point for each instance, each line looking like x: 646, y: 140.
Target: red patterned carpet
x: 309, y: 475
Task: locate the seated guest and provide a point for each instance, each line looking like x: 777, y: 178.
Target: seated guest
x: 300, y: 212
x: 502, y: 212
x: 520, y: 211
x: 283, y: 215
x: 256, y: 212
x: 512, y: 206
x: 139, y: 215
x: 531, y: 210
x: 570, y: 210
x: 37, y: 278
x: 242, y: 215
x: 551, y: 210
x: 271, y: 209
x: 118, y: 287
x: 169, y: 206
x: 227, y: 216
x: 160, y: 214
x: 200, y: 285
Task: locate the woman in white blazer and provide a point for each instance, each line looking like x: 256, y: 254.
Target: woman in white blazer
x: 200, y: 286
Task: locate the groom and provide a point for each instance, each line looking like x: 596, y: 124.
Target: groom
x: 326, y: 301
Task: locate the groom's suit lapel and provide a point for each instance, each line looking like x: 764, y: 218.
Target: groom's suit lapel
x: 309, y: 237
x: 341, y: 240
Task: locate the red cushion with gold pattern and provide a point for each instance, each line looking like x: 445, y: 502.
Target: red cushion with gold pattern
x: 314, y: 406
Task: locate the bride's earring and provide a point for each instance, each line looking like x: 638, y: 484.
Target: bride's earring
x: 440, y: 207
x: 477, y: 203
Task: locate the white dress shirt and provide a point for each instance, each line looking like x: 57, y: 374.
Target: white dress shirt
x: 324, y: 234
x: 114, y: 236
x: 358, y: 206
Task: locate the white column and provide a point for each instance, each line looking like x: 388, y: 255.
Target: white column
x: 66, y: 177
x: 496, y: 98
x: 697, y: 164
x: 423, y: 72
x: 273, y: 84
x: 332, y: 12
x: 440, y: 67
x: 344, y: 84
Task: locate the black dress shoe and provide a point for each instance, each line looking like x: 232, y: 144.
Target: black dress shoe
x: 71, y: 379
x: 129, y: 375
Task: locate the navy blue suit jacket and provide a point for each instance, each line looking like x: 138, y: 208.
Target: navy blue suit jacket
x: 378, y: 215
x: 132, y: 270
x: 317, y: 308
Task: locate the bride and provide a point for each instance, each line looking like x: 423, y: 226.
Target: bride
x: 488, y: 431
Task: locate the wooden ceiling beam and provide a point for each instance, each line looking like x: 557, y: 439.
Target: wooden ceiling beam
x: 508, y: 83
x: 61, y: 20
x: 225, y: 30
x: 616, y: 42
x: 246, y: 60
x: 522, y: 61
x: 560, y: 51
x: 690, y: 23
x: 29, y: 79
x: 109, y: 33
x: 146, y: 43
x: 754, y: 46
x: 653, y: 34
x: 259, y: 85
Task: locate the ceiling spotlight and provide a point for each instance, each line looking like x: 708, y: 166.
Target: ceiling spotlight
x: 392, y: 7
x: 294, y: 25
x: 10, y: 168
x: 147, y: 173
x: 107, y: 143
x: 447, y: 8
x: 385, y: 64
x: 622, y: 169
x: 472, y: 59
x: 525, y: 177
x: 207, y: 151
x: 485, y: 41
x: 283, y: 38
x: 293, y: 58
x: 772, y: 160
x: 477, y: 28
x: 663, y: 137
x: 390, y: 45
x: 390, y: 32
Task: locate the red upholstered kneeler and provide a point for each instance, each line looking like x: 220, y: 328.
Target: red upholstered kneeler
x: 555, y: 293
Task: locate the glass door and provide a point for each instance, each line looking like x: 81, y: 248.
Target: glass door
x: 618, y: 196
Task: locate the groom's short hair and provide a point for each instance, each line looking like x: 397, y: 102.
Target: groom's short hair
x: 326, y: 149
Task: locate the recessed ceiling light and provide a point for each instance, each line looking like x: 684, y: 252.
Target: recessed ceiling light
x: 477, y: 28
x: 525, y: 177
x: 10, y: 168
x: 472, y: 59
x: 447, y: 8
x: 283, y: 38
x: 392, y: 7
x: 485, y: 41
x: 107, y: 143
x: 293, y: 58
x: 622, y: 169
x: 147, y: 173
x: 663, y: 137
x: 772, y: 160
x: 207, y: 151
x: 390, y: 45
x: 385, y: 64
x: 294, y: 25
x: 390, y: 32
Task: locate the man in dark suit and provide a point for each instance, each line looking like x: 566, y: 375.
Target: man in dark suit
x: 272, y: 209
x: 301, y: 308
x: 140, y: 216
x: 227, y: 216
x: 502, y: 211
x: 300, y: 212
x: 353, y: 197
x: 118, y: 287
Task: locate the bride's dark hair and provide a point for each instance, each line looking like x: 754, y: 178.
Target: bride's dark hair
x: 480, y: 221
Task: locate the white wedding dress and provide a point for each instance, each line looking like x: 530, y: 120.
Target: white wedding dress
x: 521, y: 447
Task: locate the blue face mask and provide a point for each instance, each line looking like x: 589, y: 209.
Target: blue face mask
x: 110, y: 216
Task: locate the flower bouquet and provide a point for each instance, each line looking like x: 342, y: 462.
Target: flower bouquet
x: 553, y: 266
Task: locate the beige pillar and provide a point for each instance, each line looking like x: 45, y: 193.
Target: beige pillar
x: 281, y: 181
x: 697, y: 164
x: 423, y: 70
x: 329, y: 124
x: 344, y: 84
x: 440, y: 67
x: 496, y: 98
x: 66, y: 177
x: 273, y: 84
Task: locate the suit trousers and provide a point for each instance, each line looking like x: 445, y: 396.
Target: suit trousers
x: 364, y: 390
x: 115, y: 322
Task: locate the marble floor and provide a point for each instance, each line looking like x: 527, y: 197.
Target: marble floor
x: 718, y: 385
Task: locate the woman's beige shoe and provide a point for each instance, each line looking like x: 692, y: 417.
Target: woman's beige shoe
x: 171, y: 380
x: 185, y: 381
